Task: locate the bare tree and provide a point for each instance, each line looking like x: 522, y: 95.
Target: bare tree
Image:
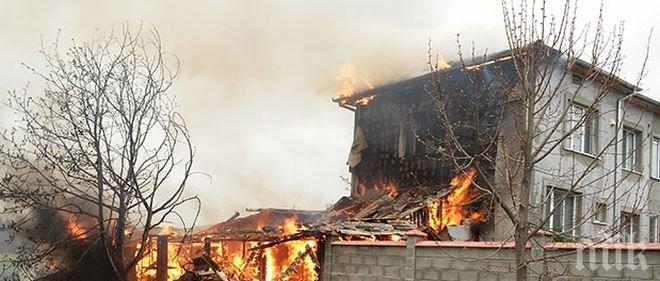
x: 102, y: 149
x: 557, y: 93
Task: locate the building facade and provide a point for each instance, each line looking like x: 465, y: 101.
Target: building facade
x: 600, y: 182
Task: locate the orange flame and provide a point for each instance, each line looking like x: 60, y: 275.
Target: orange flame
x: 74, y: 225
x: 389, y: 186
x: 452, y: 210
x: 235, y: 258
x: 348, y: 84
x: 280, y: 257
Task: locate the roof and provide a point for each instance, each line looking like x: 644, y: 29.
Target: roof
x: 423, y: 82
x: 265, y: 224
x: 379, y: 205
x: 375, y: 213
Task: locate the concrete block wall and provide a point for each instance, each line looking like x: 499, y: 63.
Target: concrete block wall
x: 439, y: 261
x: 493, y: 261
x: 368, y: 262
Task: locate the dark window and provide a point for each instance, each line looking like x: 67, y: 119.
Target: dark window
x: 416, y: 135
x: 600, y: 213
x: 577, y: 79
x: 653, y: 230
x: 629, y: 227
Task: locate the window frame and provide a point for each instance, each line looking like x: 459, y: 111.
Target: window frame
x: 630, y: 221
x: 577, y: 79
x: 600, y: 208
x: 655, y: 158
x: 571, y: 229
x: 654, y: 233
x: 636, y: 156
x: 583, y: 139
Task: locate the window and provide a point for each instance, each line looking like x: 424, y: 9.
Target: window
x: 653, y: 230
x: 631, y: 145
x: 415, y: 135
x: 629, y: 227
x: 655, y: 160
x: 583, y: 137
x: 563, y: 208
x: 600, y: 213
x: 577, y: 79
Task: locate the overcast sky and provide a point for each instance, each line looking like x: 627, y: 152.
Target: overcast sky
x: 258, y: 76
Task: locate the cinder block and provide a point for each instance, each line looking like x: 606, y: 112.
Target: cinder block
x: 429, y: 274
x: 369, y: 260
x: 498, y: 266
x: 461, y: 265
x: 392, y: 271
x: 384, y: 260
x: 362, y: 270
x: 406, y: 273
x: 440, y: 263
x: 338, y: 269
x: 344, y: 259
x: 398, y: 260
x: 424, y: 262
x: 350, y: 269
x: 376, y: 270
x: 356, y: 260
x: 485, y: 275
x: 340, y: 277
x: 342, y: 250
x: 394, y: 251
x: 449, y: 275
x: 468, y: 275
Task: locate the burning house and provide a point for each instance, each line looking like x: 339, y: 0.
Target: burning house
x: 399, y: 140
x: 397, y: 187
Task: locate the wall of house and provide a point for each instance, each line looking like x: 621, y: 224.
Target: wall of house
x: 432, y: 260
x: 635, y: 191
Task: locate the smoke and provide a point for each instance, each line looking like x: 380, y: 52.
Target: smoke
x: 257, y: 78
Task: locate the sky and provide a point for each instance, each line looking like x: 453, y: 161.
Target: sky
x: 257, y: 77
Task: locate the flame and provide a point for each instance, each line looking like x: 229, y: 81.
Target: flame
x: 452, y: 210
x: 235, y: 257
x: 347, y: 80
x: 74, y: 225
x: 395, y: 237
x: 389, y: 186
x: 167, y: 229
x: 280, y: 257
x: 348, y: 84
x: 441, y: 63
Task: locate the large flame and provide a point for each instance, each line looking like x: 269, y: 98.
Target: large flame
x: 236, y: 259
x: 348, y: 84
x: 280, y: 257
x: 453, y: 209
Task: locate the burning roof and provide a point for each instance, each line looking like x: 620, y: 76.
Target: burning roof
x: 265, y: 224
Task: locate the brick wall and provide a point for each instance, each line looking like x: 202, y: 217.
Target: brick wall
x: 371, y: 260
